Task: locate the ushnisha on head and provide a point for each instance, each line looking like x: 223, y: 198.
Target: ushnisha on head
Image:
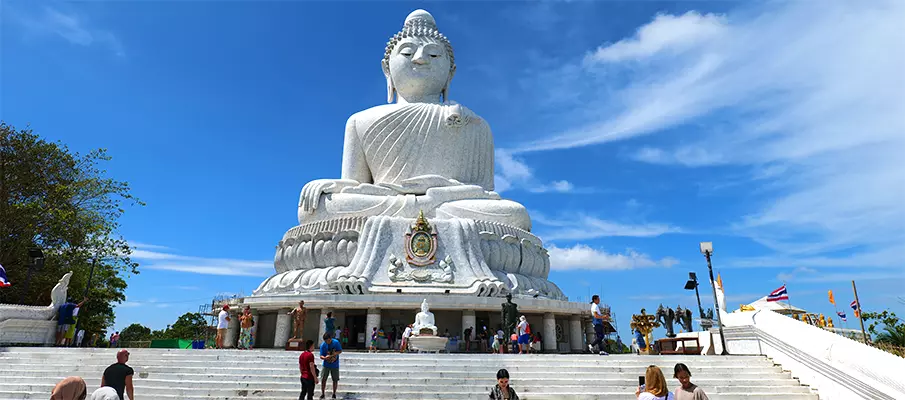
x: 418, y: 61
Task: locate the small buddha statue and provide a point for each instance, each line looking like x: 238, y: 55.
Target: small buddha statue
x: 822, y: 322
x: 829, y: 322
x: 424, y: 320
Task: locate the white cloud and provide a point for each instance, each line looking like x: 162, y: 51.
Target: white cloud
x: 807, y: 96
x: 513, y: 172
x: 578, y: 226
x: 149, y: 259
x: 665, y: 33
x: 583, y: 257
x: 68, y: 25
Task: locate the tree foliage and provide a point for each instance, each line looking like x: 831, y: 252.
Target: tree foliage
x: 886, y: 327
x: 64, y: 203
x: 187, y: 326
x: 135, y: 332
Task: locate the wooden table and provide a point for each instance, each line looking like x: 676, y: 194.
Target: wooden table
x: 670, y: 345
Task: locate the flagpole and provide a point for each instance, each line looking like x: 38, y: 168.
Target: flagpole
x: 858, y: 304
x: 788, y: 298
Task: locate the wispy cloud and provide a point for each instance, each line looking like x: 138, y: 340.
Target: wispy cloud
x: 579, y: 226
x: 514, y: 173
x: 808, y: 97
x: 68, y: 25
x: 583, y: 257
x: 149, y: 259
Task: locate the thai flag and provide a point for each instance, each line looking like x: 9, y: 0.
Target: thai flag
x: 855, y: 305
x: 841, y: 315
x: 4, y: 281
x: 779, y: 294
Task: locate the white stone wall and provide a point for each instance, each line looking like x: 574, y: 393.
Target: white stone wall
x: 838, y: 367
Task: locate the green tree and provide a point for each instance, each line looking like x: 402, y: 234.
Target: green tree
x: 886, y: 327
x: 64, y: 203
x: 135, y: 332
x: 188, y: 326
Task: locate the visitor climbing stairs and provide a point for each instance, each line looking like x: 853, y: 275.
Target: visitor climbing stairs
x: 31, y: 372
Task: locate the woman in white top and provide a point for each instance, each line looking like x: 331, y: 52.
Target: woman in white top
x: 654, y: 386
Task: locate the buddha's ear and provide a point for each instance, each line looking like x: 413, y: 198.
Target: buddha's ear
x: 445, y: 91
x: 391, y: 89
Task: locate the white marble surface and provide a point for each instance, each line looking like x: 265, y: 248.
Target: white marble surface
x: 420, y: 153
x: 27, y: 331
x: 283, y: 328
x: 549, y: 333
x: 428, y: 344
x: 840, y: 368
x: 575, y: 333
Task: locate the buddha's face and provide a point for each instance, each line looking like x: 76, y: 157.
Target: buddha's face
x: 419, y: 67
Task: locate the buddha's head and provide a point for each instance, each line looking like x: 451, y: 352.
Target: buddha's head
x: 424, y: 306
x: 418, y: 62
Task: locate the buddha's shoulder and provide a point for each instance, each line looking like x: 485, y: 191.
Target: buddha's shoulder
x: 365, y: 118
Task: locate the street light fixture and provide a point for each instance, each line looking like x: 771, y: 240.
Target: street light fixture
x: 692, y: 284
x: 37, y: 261
x: 707, y: 251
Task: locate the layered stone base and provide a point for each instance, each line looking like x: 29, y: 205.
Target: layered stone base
x: 358, y: 256
x: 27, y: 331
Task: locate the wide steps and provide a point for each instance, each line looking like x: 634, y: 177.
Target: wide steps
x: 31, y: 373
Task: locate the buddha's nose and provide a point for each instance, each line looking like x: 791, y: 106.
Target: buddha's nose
x: 420, y: 57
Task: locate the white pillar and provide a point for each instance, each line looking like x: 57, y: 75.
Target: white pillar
x: 550, y: 334
x: 468, y: 321
x: 590, y: 334
x: 575, y: 342
x: 372, y: 321
x: 283, y: 328
x: 232, y: 331
x: 322, y: 329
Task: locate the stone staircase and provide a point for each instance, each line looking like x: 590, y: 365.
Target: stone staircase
x: 30, y: 373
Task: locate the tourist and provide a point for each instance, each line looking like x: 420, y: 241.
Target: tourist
x: 104, y: 393
x: 66, y: 319
x: 524, y: 335
x: 79, y: 337
x: 654, y: 387
x: 513, y: 343
x: 308, y: 371
x: 638, y: 341
x: 482, y: 340
x: 119, y: 376
x: 373, y: 346
x: 405, y: 338
x: 247, y: 322
x: 392, y: 338
x: 338, y: 334
x: 114, y: 340
x: 688, y: 390
x: 597, y: 319
x: 536, y: 339
x: 500, y: 340
x: 502, y: 390
x: 330, y: 351
x: 329, y: 323
x: 345, y: 333
x: 222, y: 324
x: 466, y: 337
x: 71, y: 388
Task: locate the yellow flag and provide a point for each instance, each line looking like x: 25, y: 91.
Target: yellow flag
x: 719, y: 279
x: 832, y: 300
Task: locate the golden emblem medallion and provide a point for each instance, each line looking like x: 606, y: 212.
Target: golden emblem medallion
x: 421, y: 243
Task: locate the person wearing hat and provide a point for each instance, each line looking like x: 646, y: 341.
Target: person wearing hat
x: 222, y: 325
x: 119, y: 376
x: 598, y: 318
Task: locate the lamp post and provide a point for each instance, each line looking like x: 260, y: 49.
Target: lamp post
x: 37, y: 261
x: 693, y: 284
x: 707, y: 250
x: 78, y: 322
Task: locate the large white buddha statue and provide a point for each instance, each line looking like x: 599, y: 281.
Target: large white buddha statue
x: 419, y: 153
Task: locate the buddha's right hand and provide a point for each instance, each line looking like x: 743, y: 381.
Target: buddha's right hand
x: 313, y: 190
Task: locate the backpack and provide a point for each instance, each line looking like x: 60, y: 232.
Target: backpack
x: 527, y: 329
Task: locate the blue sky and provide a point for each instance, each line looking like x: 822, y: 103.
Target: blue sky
x: 631, y: 131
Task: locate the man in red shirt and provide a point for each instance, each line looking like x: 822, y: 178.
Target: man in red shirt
x: 308, y: 370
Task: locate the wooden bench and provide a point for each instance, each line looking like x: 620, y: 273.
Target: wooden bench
x: 671, y: 345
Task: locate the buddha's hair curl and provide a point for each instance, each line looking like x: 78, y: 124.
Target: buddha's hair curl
x: 423, y: 28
